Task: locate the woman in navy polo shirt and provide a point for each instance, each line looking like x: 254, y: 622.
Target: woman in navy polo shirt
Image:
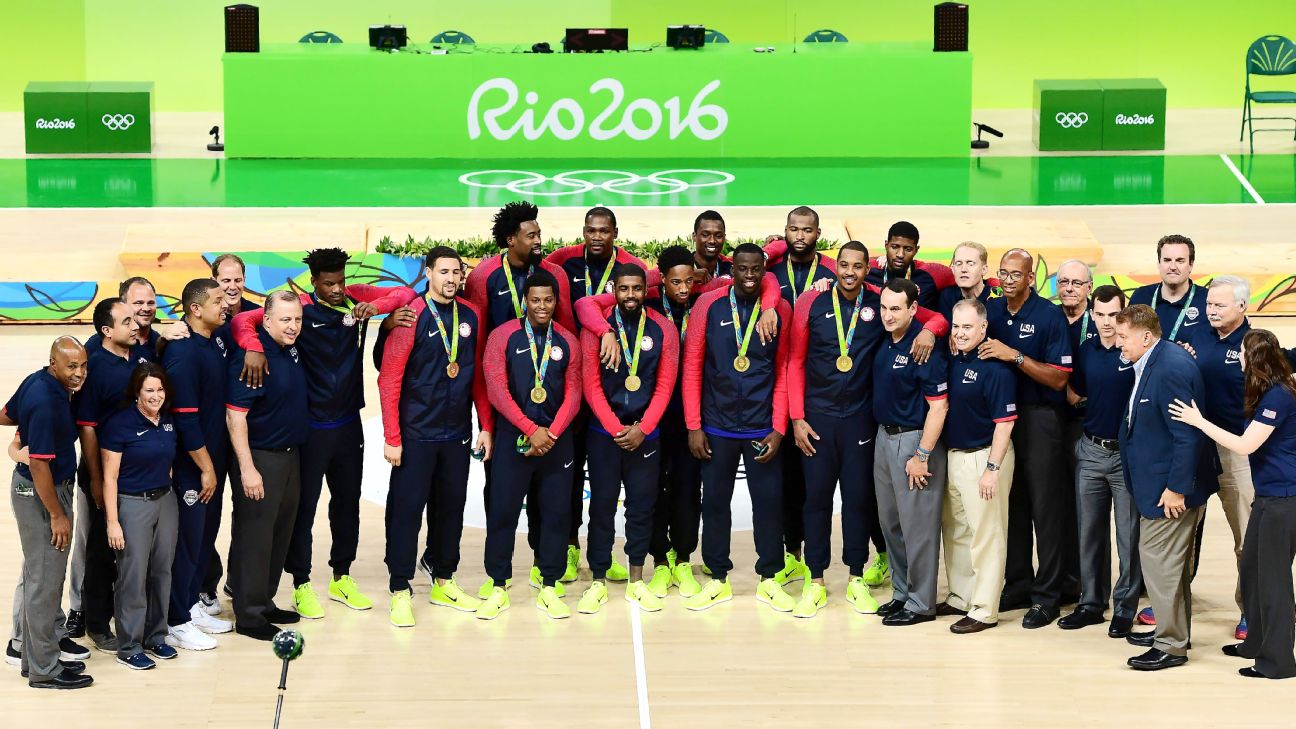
x: 1269, y: 547
x: 138, y: 445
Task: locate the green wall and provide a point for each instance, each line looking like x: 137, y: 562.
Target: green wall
x: 1194, y: 46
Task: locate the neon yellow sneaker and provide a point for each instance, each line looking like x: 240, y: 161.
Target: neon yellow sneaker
x: 594, y: 598
x: 401, y: 611
x: 346, y: 591
x: 858, y: 595
x: 878, y: 572
x: 487, y: 587
x: 452, y: 596
x: 307, y: 605
x: 770, y: 592
x: 551, y: 603
x: 617, y: 572
x: 660, y: 583
x: 706, y: 570
x: 793, y: 570
x: 671, y: 556
x: 537, y: 582
x: 496, y: 603
x: 711, y: 594
x: 638, y: 593
x: 573, y: 564
x: 682, y: 577
x: 813, y: 598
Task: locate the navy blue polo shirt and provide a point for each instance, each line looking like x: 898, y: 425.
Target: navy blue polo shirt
x: 434, y: 407
x: 828, y: 391
x: 1039, y: 331
x: 735, y: 404
x: 803, y: 276
x: 276, y: 411
x: 146, y: 351
x: 951, y: 295
x: 147, y: 450
x: 1078, y: 331
x: 1189, y: 310
x: 1273, y: 465
x: 1105, y: 377
x: 902, y: 387
x: 104, y: 391
x: 43, y: 411
x: 198, y: 380
x: 564, y: 362
x: 1221, y: 367
x: 982, y: 392
x: 629, y: 407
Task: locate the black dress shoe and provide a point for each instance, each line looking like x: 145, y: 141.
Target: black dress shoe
x: 1233, y: 650
x: 277, y: 615
x: 1251, y: 672
x: 1155, y: 660
x: 906, y: 617
x: 970, y: 625
x: 260, y: 632
x: 1037, y: 617
x: 69, y: 666
x: 1080, y: 619
x: 1120, y: 627
x: 65, y: 680
x: 946, y: 609
x: 1007, y: 603
x: 890, y: 608
x: 76, y: 624
x: 1143, y: 640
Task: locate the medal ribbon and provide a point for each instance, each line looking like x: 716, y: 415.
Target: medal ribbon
x: 744, y: 339
x: 844, y: 340
x: 1084, y: 328
x: 607, y: 273
x: 809, y: 276
x: 540, y: 363
x: 519, y: 304
x: 452, y: 348
x: 631, y: 356
x: 1187, y: 299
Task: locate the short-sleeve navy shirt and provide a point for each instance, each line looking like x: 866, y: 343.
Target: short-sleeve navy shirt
x: 1273, y: 465
x: 1221, y: 367
x: 277, y: 417
x: 902, y: 387
x: 104, y: 391
x: 1105, y: 378
x: 982, y: 392
x: 147, y: 450
x: 1189, y: 312
x: 43, y: 410
x: 1039, y: 331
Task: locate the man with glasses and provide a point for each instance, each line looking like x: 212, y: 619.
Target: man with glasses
x: 1074, y: 287
x: 1031, y: 332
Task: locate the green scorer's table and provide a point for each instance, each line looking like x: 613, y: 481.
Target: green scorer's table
x: 818, y: 100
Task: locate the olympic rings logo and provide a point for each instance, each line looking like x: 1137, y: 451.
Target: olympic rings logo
x: 577, y: 182
x: 118, y: 122
x: 1071, y: 120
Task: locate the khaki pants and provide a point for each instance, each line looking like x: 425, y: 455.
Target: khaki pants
x: 1166, y: 554
x: 975, y: 531
x: 1236, y: 494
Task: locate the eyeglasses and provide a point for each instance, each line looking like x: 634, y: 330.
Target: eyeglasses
x: 1066, y: 283
x: 1011, y: 275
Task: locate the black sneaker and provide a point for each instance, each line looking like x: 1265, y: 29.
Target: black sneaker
x: 12, y: 657
x: 277, y: 615
x: 65, y: 680
x: 265, y: 632
x: 70, y: 650
x: 76, y: 624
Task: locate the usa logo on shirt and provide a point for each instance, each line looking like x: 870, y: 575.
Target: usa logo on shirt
x: 1233, y: 356
x: 1192, y: 313
x: 293, y: 352
x: 1026, y: 329
x: 969, y: 376
x: 556, y: 354
x: 646, y: 345
x: 221, y: 343
x: 901, y: 360
x: 166, y: 427
x: 465, y: 329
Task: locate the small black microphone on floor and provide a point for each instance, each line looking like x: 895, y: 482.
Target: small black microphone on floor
x: 980, y: 143
x: 215, y: 146
x: 288, y: 645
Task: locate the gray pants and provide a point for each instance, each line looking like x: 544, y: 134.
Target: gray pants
x: 910, y: 518
x: 43, y: 571
x: 143, y: 591
x: 1166, y: 549
x: 1100, y: 493
x: 261, y: 534
x: 79, y: 534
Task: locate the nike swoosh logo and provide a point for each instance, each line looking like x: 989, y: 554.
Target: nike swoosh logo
x: 568, y: 464
x: 504, y: 292
x: 316, y: 325
x: 969, y: 382
x: 431, y: 333
x: 897, y: 367
x: 579, y: 279
x: 524, y: 350
x: 783, y: 286
x: 142, y: 432
x: 1127, y: 367
x: 865, y: 441
x: 726, y: 323
x: 466, y: 441
x: 1026, y: 336
x: 1191, y: 323
x: 649, y: 455
x: 1143, y: 401
x: 829, y: 315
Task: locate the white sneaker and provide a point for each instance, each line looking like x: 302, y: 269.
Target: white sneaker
x: 210, y: 603
x: 208, y: 623
x: 189, y: 637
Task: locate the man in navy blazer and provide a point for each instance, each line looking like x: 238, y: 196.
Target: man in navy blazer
x: 1162, y: 460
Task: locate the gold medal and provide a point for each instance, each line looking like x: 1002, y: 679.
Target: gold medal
x: 633, y: 383
x: 844, y: 363
x: 538, y: 395
x: 452, y: 370
x: 741, y: 363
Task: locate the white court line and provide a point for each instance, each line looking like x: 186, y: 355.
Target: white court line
x: 641, y: 673
x: 1242, y: 179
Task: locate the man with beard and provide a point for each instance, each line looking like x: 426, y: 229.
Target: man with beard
x: 901, y: 247
x: 709, y: 259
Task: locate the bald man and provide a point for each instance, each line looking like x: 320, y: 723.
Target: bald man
x: 1075, y: 288
x: 42, y: 506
